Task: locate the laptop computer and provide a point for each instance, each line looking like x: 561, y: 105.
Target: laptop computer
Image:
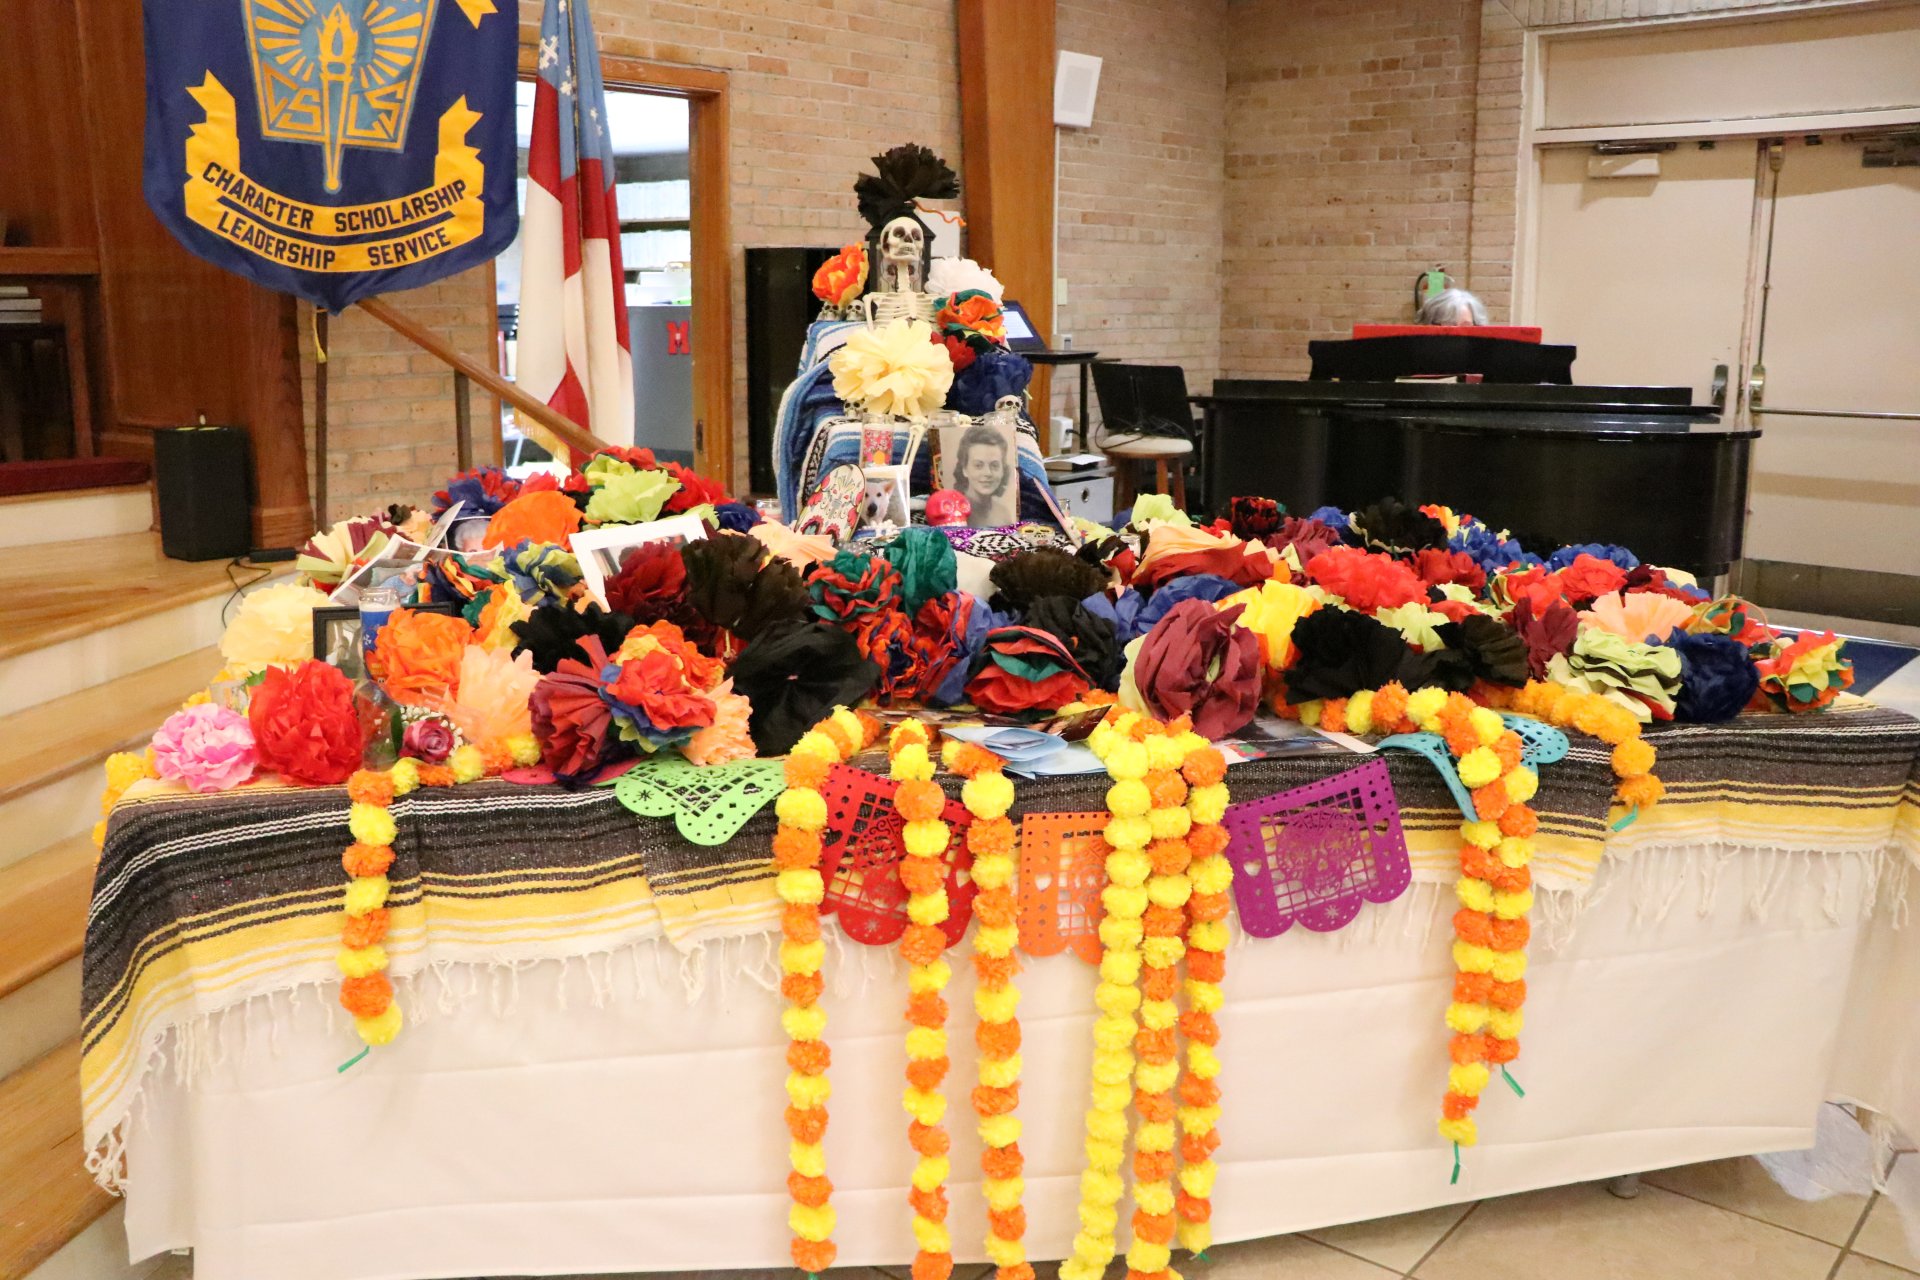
x: 1021, y: 335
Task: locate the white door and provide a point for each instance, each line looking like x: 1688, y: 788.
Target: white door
x: 1842, y: 333
x: 1646, y: 275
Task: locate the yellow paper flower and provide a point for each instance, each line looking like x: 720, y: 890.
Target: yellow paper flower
x: 273, y: 627
x: 893, y: 370
x: 1270, y: 611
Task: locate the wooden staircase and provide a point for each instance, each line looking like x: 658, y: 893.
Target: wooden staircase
x: 102, y: 639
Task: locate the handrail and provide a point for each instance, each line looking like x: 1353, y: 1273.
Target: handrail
x: 571, y: 434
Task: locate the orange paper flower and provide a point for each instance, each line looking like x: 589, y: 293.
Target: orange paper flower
x: 546, y: 515
x: 418, y: 656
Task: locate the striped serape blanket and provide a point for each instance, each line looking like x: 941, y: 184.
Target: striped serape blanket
x: 202, y: 903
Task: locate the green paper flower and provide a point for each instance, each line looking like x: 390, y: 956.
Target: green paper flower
x: 926, y: 563
x: 633, y: 498
x: 603, y: 467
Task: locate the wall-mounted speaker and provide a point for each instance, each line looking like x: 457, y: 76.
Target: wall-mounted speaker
x: 1076, y: 83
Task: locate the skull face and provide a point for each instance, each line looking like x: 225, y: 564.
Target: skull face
x: 902, y: 251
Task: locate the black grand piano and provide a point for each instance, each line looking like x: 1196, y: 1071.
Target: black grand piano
x: 1556, y: 463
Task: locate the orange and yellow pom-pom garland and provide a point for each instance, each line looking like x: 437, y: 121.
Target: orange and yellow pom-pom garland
x: 923, y: 873
x: 1128, y: 833
x: 365, y: 990
x: 988, y: 795
x: 802, y: 812
x: 1211, y: 874
x: 1495, y: 886
x: 1156, y: 1050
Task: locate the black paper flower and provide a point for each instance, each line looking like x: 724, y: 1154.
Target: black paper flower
x: 1342, y: 653
x: 1392, y: 525
x: 733, y: 592
x: 1088, y: 636
x: 793, y: 674
x: 554, y: 632
x: 1491, y: 651
x: 1032, y: 576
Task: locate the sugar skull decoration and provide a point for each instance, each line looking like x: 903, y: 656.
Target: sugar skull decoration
x: 948, y: 507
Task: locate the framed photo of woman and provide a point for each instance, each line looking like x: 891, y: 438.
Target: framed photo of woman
x: 981, y: 462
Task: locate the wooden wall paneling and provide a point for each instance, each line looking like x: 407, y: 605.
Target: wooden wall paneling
x: 1006, y: 116
x: 181, y: 338
x: 44, y: 187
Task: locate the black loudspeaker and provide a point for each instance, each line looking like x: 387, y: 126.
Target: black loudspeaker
x: 203, y: 477
x: 780, y: 306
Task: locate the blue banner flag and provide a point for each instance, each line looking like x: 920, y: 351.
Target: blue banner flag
x: 333, y: 148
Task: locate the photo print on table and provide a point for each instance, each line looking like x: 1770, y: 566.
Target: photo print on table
x: 981, y: 462
x: 602, y: 551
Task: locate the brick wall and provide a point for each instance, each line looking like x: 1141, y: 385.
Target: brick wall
x: 1142, y: 192
x: 1349, y: 167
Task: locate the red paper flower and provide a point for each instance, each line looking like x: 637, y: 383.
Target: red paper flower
x: 1437, y: 567
x: 958, y: 351
x: 1025, y: 670
x: 570, y: 719
x: 1590, y: 576
x: 652, y: 584
x: 1366, y: 581
x: 695, y: 490
x: 306, y: 724
x: 657, y: 685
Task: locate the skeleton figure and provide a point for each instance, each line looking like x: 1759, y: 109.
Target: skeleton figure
x: 902, y: 264
x: 896, y: 289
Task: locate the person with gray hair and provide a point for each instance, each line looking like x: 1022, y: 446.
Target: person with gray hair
x: 1452, y: 307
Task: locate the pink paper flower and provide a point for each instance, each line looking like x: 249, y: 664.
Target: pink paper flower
x: 205, y: 747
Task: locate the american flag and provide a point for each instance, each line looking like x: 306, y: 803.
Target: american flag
x: 574, y: 352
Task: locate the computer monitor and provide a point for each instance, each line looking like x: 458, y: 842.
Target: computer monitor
x: 1021, y: 335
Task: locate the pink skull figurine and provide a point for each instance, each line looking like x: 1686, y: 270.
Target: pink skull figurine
x: 948, y: 507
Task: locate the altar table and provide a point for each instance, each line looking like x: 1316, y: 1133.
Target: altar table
x: 590, y: 1077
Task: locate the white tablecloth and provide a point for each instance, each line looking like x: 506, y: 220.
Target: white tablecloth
x: 591, y: 1118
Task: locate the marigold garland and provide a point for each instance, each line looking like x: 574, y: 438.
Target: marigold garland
x: 1157, y: 1072
x: 923, y: 872
x: 802, y: 812
x: 365, y: 990
x: 988, y: 795
x: 1495, y: 887
x: 1124, y: 753
x: 1211, y: 873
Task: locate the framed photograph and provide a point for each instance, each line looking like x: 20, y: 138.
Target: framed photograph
x: 981, y: 462
x: 886, y: 501
x: 601, y: 552
x: 337, y: 640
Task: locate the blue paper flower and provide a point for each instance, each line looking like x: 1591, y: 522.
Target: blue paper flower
x: 736, y: 517
x: 968, y: 639
x: 483, y: 490
x: 1717, y: 677
x: 542, y: 572
x: 1489, y: 549
x: 993, y: 374
x: 1201, y: 586
x: 1599, y: 550
x: 1332, y: 517
x: 1123, y: 613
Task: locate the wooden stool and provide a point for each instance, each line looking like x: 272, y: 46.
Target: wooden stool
x: 1126, y: 449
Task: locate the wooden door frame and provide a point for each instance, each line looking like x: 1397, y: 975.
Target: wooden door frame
x: 708, y: 165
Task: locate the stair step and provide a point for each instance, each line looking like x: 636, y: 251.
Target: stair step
x: 50, y: 754
x: 46, y: 1195
x: 43, y: 911
x: 56, y: 475
x: 83, y: 613
x: 99, y: 513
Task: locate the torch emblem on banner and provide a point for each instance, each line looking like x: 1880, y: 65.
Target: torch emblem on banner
x: 340, y: 73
